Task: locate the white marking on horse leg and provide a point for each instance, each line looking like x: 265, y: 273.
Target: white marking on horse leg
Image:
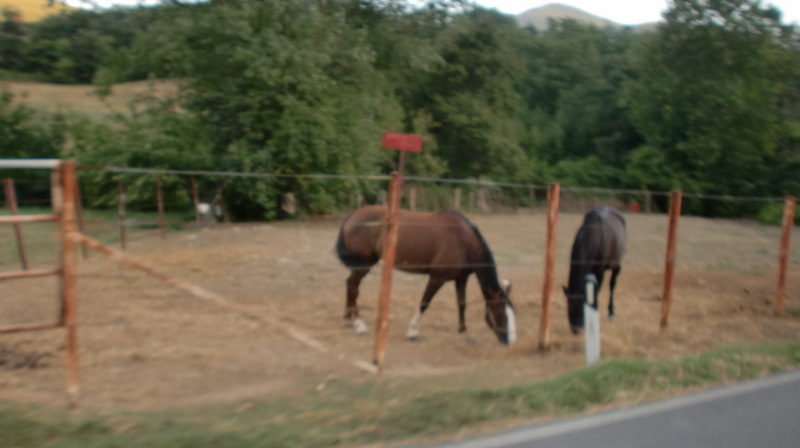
x: 511, y: 325
x: 413, y: 326
x: 360, y: 326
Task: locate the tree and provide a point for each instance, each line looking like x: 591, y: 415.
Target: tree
x: 280, y: 88
x: 575, y: 78
x: 155, y: 134
x: 472, y: 100
x: 706, y: 100
x: 71, y: 47
x: 25, y: 135
x: 12, y: 39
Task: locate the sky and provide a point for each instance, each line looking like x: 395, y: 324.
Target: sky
x: 626, y: 12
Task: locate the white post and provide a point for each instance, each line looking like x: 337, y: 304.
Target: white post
x: 591, y: 323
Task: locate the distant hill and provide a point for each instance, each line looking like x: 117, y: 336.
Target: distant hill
x: 539, y: 17
x: 35, y: 10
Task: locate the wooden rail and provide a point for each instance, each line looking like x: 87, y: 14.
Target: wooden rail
x: 28, y: 274
x: 30, y: 327
x: 221, y: 301
x: 21, y: 219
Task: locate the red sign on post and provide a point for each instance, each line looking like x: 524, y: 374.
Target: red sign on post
x: 403, y: 142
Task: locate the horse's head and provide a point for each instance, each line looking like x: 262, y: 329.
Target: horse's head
x: 500, y: 314
x: 575, y: 301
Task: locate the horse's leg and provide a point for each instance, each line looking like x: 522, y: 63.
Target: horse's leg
x: 613, y: 284
x: 461, y: 297
x: 351, y: 306
x: 434, y: 283
x: 600, y: 274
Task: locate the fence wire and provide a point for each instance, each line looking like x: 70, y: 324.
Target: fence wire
x: 740, y: 247
x: 284, y: 266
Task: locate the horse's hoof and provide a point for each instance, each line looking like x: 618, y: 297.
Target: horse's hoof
x: 360, y: 326
x: 462, y: 329
x: 413, y: 338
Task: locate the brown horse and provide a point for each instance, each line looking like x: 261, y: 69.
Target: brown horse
x: 446, y: 246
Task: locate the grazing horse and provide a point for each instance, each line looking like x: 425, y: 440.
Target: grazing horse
x: 446, y: 246
x: 599, y: 245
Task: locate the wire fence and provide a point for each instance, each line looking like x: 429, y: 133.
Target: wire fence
x: 287, y: 269
x: 134, y: 192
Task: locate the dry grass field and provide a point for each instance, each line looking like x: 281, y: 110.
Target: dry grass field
x: 35, y: 10
x: 147, y: 345
x: 83, y: 98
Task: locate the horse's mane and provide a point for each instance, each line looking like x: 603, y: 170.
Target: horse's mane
x: 485, y: 268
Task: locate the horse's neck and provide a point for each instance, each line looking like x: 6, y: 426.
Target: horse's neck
x: 487, y: 278
x: 577, y: 273
x: 579, y: 263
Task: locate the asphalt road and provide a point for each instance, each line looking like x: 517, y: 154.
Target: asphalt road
x: 755, y: 414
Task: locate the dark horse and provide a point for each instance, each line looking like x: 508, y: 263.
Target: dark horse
x: 446, y: 246
x: 599, y: 245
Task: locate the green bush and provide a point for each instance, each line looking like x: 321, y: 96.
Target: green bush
x: 772, y: 213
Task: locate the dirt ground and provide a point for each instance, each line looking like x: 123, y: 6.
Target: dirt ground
x: 147, y: 345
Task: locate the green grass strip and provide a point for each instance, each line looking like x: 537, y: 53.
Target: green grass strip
x: 351, y: 415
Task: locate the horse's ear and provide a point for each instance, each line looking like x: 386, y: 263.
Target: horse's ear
x: 507, y: 286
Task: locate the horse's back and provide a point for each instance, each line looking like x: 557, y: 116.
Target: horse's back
x: 443, y: 239
x: 602, y: 236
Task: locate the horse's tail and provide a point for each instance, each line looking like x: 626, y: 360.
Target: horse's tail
x: 349, y: 258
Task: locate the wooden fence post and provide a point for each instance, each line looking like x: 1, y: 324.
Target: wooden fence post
x: 195, y: 200
x: 68, y: 279
x: 79, y: 214
x: 786, y: 239
x: 226, y: 216
x: 412, y: 199
x: 389, y: 249
x: 553, y: 195
x: 457, y: 199
x: 162, y: 222
x: 11, y: 203
x: 669, y: 269
x: 123, y: 231
x: 56, y: 192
